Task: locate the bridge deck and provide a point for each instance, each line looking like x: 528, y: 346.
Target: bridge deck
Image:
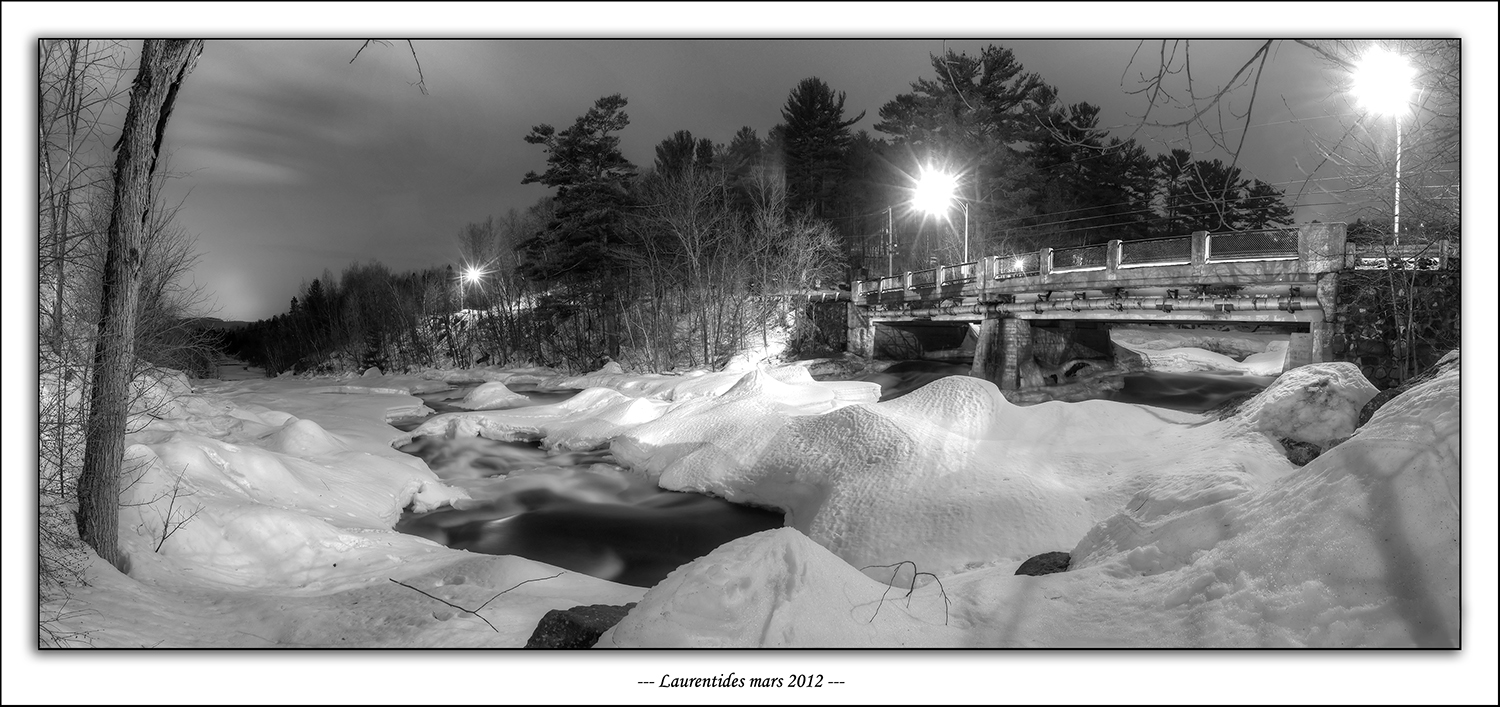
x: 1243, y: 276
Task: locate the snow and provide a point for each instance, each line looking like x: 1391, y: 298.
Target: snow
x: 1318, y: 403
x: 1358, y: 548
x: 1192, y: 350
x: 260, y: 513
x: 491, y: 396
x: 248, y: 526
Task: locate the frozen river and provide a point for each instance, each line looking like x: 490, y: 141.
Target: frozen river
x: 584, y: 512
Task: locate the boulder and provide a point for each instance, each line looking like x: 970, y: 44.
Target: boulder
x: 1045, y: 563
x: 578, y: 627
x: 1368, y: 411
x: 1299, y: 453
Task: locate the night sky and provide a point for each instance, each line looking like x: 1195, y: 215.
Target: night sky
x: 298, y: 160
x: 292, y: 160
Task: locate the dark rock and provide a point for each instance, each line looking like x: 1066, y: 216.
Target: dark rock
x: 578, y: 627
x: 1448, y: 360
x: 1045, y: 563
x: 1299, y: 453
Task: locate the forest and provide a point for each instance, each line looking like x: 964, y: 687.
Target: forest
x: 678, y: 264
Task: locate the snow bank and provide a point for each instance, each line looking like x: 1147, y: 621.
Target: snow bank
x: 622, y: 404
x: 491, y: 396
x: 1358, y: 548
x: 1318, y: 403
x: 263, y: 499
x: 585, y: 421
x: 1192, y: 350
x: 223, y: 494
x: 799, y: 384
x: 777, y: 589
x: 952, y: 476
x: 1234, y: 344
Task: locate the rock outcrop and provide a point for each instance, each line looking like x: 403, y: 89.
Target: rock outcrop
x: 578, y: 627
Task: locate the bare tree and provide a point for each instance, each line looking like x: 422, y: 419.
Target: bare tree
x: 164, y: 65
x: 1416, y: 155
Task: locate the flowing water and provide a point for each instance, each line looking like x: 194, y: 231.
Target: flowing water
x: 578, y: 510
x: 582, y: 511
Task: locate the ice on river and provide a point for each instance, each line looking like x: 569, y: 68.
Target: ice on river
x: 905, y: 519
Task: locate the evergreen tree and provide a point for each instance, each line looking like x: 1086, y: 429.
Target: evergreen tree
x: 592, y: 178
x: 676, y: 153
x: 1083, y: 186
x: 1208, y: 195
x: 816, y: 139
x: 975, y: 118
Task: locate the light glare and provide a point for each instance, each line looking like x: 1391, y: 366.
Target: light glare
x: 1383, y: 82
x: 935, y: 192
x: 473, y: 274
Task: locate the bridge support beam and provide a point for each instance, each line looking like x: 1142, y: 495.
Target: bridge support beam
x: 860, y: 332
x: 1312, y: 346
x: 1002, y: 347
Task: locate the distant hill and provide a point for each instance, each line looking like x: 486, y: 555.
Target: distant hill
x: 216, y: 324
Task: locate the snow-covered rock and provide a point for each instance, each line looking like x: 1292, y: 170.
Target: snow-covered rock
x: 778, y: 589
x: 491, y: 396
x: 1318, y: 403
x: 952, y: 476
x: 1357, y: 549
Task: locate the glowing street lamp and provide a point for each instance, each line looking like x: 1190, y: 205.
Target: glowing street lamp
x: 1383, y: 84
x: 471, y: 275
x: 936, y: 192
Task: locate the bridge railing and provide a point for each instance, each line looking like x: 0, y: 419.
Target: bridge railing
x: 922, y: 278
x: 953, y: 274
x: 1081, y: 259
x: 1155, y: 252
x: 1421, y: 255
x: 1248, y: 246
x: 1316, y: 248
x: 1018, y: 265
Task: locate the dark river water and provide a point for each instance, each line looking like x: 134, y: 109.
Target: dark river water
x: 581, y: 511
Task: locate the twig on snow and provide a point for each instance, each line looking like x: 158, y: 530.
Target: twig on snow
x: 475, y: 612
x: 915, y: 574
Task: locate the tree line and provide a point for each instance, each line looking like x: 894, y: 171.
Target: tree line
x: 677, y: 264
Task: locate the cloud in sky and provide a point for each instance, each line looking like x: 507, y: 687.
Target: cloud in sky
x: 288, y: 147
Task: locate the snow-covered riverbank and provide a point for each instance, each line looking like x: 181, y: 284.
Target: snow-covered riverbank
x: 1184, y: 530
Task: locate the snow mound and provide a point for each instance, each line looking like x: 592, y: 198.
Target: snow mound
x: 952, y: 476
x: 798, y: 385
x: 491, y: 396
x: 1358, y: 548
x: 264, y: 512
x: 585, y: 421
x: 1317, y: 403
x: 778, y: 589
x: 620, y: 412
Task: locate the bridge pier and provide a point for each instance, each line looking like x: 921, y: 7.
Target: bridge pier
x: 1004, y: 344
x: 1313, y: 346
x: 860, y: 332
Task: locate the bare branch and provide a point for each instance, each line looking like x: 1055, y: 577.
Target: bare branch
x: 481, y: 606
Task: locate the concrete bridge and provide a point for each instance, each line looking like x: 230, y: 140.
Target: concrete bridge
x: 1041, y: 312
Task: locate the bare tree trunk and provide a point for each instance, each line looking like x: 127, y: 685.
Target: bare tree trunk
x: 164, y: 65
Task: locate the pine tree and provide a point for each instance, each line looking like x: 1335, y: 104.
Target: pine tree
x: 680, y: 151
x: 817, y: 139
x: 592, y: 177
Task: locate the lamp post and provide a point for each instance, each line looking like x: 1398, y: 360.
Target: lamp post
x: 936, y: 192
x: 1383, y: 83
x: 890, y: 240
